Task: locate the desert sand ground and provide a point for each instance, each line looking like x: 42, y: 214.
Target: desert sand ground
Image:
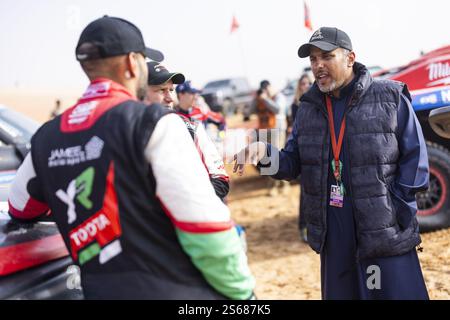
x: 284, y: 267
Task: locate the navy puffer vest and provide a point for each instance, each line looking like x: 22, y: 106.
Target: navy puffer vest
x: 371, y: 145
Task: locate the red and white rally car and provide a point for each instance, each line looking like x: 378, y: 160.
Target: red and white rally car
x: 428, y: 79
x: 34, y: 262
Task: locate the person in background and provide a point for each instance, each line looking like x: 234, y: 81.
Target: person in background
x: 194, y: 107
x: 161, y: 90
x: 303, y: 85
x: 271, y: 109
x: 57, y: 110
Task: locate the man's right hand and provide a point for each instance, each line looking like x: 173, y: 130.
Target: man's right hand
x: 251, y: 154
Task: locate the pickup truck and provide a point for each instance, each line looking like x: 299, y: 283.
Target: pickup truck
x: 228, y: 96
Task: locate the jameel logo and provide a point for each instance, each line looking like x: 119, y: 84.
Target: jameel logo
x: 75, y: 155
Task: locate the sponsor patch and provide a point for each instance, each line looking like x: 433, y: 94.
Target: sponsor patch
x: 77, y: 154
x: 98, y: 235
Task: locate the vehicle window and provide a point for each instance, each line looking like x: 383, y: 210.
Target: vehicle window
x: 387, y: 74
x: 242, y: 85
x: 217, y: 84
x: 238, y: 84
x: 234, y: 84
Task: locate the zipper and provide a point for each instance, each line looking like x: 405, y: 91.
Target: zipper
x: 355, y: 214
x: 351, y: 103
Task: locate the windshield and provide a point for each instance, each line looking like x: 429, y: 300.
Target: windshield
x: 388, y: 73
x: 17, y: 124
x: 374, y: 69
x: 217, y: 84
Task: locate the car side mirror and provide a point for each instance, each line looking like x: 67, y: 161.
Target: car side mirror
x: 439, y: 120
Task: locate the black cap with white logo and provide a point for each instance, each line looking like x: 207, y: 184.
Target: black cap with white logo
x: 326, y: 39
x: 158, y: 74
x: 110, y: 37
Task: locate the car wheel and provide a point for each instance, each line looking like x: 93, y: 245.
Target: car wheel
x: 434, y: 204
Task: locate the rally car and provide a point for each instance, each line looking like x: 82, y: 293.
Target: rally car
x: 34, y: 262
x: 428, y: 79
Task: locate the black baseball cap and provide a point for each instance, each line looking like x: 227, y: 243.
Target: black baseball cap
x: 110, y: 37
x: 158, y: 74
x: 326, y: 39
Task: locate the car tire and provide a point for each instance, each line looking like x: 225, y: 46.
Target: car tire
x: 434, y: 204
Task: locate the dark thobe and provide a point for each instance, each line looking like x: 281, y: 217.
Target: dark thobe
x: 342, y: 275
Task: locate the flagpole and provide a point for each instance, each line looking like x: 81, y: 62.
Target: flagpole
x: 235, y: 28
x: 243, y: 60
x: 307, y: 16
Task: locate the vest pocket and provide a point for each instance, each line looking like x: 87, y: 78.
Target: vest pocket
x: 403, y: 212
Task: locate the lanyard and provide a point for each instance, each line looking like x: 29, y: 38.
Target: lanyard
x: 337, y: 146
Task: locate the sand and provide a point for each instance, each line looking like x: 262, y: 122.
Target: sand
x: 284, y: 266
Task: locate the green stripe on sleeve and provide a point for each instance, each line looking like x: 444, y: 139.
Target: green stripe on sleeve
x: 221, y: 259
x: 89, y: 253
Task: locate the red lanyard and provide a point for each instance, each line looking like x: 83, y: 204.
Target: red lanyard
x: 337, y: 146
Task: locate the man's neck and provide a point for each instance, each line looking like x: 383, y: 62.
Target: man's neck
x: 185, y: 108
x: 128, y: 85
x: 102, y: 86
x: 337, y: 93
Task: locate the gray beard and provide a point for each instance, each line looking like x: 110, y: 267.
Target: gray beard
x: 328, y: 88
x: 332, y: 87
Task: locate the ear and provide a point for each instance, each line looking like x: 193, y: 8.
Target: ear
x: 351, y: 59
x: 132, y: 64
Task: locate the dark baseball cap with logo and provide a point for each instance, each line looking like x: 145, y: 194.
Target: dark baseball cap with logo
x: 110, y: 37
x: 326, y: 39
x: 158, y: 74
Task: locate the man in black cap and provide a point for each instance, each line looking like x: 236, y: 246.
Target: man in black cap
x: 161, y: 84
x: 160, y: 90
x: 140, y: 223
x: 362, y: 158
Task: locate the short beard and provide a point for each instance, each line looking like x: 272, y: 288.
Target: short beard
x: 330, y: 88
x: 141, y: 91
x: 140, y: 94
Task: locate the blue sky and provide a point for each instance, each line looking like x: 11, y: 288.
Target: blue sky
x: 38, y: 37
